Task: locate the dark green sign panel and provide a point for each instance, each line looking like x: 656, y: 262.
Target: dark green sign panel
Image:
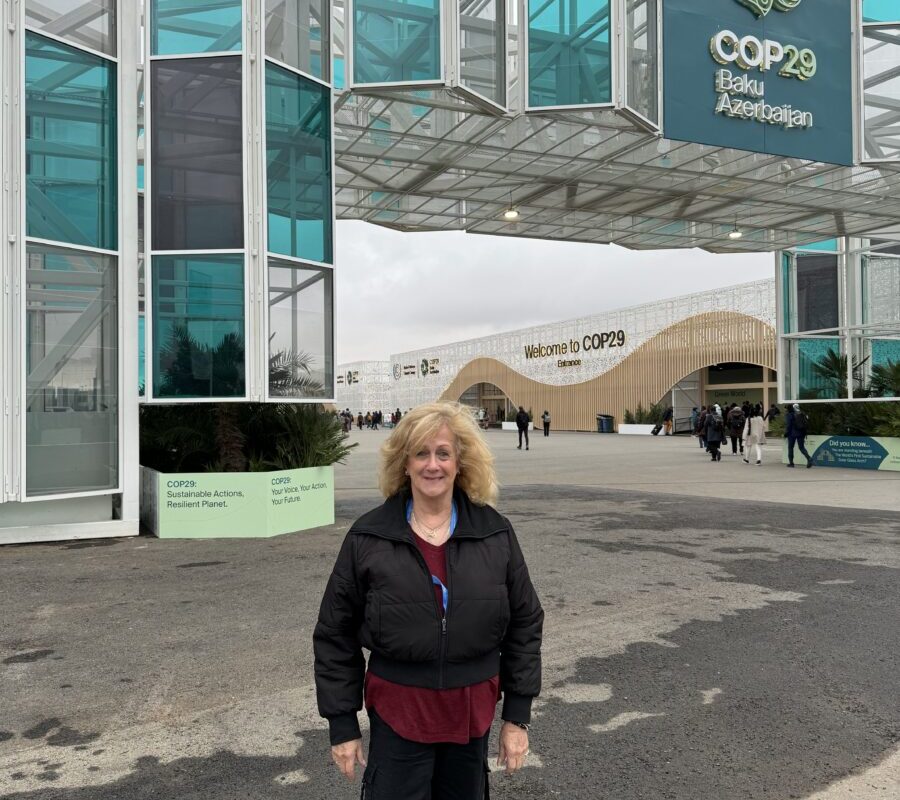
x: 769, y: 76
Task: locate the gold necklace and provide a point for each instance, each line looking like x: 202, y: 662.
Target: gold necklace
x: 431, y: 533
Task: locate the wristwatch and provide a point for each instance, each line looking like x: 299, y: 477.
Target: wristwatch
x: 523, y: 725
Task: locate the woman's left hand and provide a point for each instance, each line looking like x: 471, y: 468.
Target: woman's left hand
x: 513, y: 747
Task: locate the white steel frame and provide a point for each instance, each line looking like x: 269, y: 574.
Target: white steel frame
x: 859, y: 64
x: 454, y: 78
x: 850, y: 325
x: 249, y: 361
x: 126, y: 262
x: 262, y: 222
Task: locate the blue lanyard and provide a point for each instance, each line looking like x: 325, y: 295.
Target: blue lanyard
x: 435, y: 580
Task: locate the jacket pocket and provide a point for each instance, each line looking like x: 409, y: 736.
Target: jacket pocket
x: 368, y: 784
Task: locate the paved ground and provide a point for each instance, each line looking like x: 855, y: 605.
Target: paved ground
x: 717, y: 641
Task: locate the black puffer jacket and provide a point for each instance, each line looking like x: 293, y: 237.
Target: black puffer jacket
x: 380, y: 597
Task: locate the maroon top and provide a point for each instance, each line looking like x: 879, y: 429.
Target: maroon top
x: 434, y: 715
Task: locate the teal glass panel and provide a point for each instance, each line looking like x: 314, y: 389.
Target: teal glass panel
x: 787, y: 302
x: 569, y: 60
x: 70, y: 145
x: 396, y: 41
x: 72, y: 376
x: 884, y: 364
x: 826, y: 246
x: 881, y: 11
x: 298, y: 34
x: 198, y: 326
x: 142, y: 355
x: 338, y: 66
x: 298, y: 166
x: 819, y: 371
x: 195, y: 26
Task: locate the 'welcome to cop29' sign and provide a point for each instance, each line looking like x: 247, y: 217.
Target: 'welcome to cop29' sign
x: 770, y: 76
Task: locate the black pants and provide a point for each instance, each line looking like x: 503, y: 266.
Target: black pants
x: 399, y: 769
x: 734, y: 443
x: 546, y: 429
x: 714, y: 451
x: 800, y: 441
x: 521, y: 431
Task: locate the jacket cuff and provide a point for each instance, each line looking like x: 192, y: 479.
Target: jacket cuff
x: 516, y: 708
x: 344, y: 728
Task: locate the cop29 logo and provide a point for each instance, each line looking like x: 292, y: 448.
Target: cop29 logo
x: 423, y: 367
x: 763, y: 7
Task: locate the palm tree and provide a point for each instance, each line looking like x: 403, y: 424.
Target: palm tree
x: 290, y: 375
x: 884, y: 380
x: 831, y: 369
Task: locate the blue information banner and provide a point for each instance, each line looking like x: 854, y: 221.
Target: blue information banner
x: 769, y: 76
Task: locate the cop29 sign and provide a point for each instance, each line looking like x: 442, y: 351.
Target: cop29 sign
x: 769, y: 76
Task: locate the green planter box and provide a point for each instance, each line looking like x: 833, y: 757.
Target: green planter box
x: 212, y: 505
x: 854, y: 452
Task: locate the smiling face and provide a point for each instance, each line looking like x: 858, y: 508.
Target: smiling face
x: 433, y: 468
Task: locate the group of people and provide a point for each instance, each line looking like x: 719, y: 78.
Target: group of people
x: 371, y: 419
x: 746, y: 426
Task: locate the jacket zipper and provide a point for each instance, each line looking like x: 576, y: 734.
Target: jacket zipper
x: 442, y: 644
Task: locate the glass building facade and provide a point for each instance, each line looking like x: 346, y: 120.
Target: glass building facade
x: 206, y: 273
x: 839, y: 319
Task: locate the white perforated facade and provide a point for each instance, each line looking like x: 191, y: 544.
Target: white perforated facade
x: 421, y: 376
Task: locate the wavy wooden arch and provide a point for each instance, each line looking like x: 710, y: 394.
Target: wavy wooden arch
x: 643, y: 377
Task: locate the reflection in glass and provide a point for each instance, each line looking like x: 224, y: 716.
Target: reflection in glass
x: 298, y: 165
x: 71, y: 361
x: 881, y: 54
x: 196, y: 152
x: 810, y: 292
x: 300, y: 331
x: 880, y: 309
x: 70, y: 144
x: 483, y: 48
x: 90, y: 23
x: 188, y: 26
x: 816, y: 369
x: 396, y: 41
x: 641, y: 53
x: 297, y: 34
x: 569, y: 60
x: 198, y: 326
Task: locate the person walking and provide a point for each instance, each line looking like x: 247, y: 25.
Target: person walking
x: 735, y: 421
x: 545, y: 418
x: 668, y: 414
x: 522, y: 423
x: 695, y: 419
x: 434, y: 584
x: 796, y: 424
x: 715, y: 433
x: 701, y: 428
x: 754, y: 434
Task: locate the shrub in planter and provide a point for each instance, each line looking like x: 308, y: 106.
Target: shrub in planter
x: 240, y: 437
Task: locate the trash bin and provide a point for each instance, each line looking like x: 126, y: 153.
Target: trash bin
x: 605, y: 423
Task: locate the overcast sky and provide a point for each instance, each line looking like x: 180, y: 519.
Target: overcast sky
x: 405, y: 291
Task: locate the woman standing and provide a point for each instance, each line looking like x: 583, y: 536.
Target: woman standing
x: 433, y: 583
x: 754, y: 435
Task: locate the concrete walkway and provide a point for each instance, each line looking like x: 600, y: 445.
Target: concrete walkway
x: 658, y: 464
x: 699, y: 644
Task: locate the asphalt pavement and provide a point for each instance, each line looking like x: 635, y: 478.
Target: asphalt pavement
x: 719, y: 641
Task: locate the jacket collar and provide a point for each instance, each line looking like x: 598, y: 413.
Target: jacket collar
x: 388, y: 521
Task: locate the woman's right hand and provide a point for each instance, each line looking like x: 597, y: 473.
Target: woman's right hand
x: 346, y: 755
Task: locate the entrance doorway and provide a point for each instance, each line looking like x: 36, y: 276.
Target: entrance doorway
x: 737, y: 382
x: 498, y: 407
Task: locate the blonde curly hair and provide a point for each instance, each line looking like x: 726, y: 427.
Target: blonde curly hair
x: 474, y: 458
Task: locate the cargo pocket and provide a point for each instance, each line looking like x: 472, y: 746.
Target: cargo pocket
x: 368, y: 784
